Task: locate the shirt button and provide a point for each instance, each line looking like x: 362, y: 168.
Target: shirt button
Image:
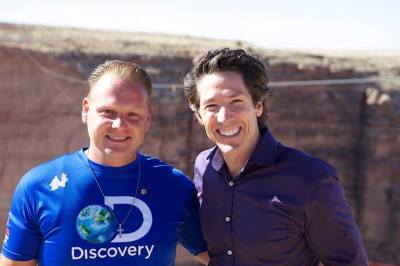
x: 227, y: 218
x: 229, y: 252
x: 231, y: 183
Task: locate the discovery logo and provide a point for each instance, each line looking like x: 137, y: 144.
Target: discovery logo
x: 78, y: 253
x: 96, y: 224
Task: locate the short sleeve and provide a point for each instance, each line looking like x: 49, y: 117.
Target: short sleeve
x: 190, y: 235
x: 22, y: 240
x: 331, y: 230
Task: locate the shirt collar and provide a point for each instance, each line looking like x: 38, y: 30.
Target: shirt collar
x: 216, y: 158
x: 264, y: 154
x: 266, y: 150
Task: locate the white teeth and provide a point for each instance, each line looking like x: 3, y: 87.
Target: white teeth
x: 117, y: 138
x: 229, y: 133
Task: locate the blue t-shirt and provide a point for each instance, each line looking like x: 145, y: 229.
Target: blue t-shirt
x: 60, y: 217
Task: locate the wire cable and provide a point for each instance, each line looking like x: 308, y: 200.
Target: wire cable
x: 173, y: 86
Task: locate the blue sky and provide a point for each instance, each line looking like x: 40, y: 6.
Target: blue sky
x: 287, y: 24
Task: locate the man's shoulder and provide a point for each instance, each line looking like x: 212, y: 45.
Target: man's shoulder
x: 47, y: 169
x: 309, y: 165
x: 155, y: 164
x: 162, y: 169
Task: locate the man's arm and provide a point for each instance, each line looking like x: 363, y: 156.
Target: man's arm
x: 201, y: 257
x: 190, y: 235
x: 331, y: 230
x: 7, y: 262
x: 22, y: 240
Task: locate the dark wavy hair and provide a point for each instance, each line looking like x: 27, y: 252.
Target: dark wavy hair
x: 249, y: 67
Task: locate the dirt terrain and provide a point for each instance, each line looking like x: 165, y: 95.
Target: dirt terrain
x: 385, y: 66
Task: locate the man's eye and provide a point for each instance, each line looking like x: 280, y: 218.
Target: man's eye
x: 133, y: 115
x: 211, y: 107
x: 107, y: 112
x: 237, y: 101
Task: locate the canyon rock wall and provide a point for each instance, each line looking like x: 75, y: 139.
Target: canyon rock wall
x: 355, y: 127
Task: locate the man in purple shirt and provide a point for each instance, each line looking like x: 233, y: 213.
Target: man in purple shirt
x: 262, y: 203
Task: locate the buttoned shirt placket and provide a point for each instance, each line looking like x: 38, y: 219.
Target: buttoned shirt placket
x: 217, y: 162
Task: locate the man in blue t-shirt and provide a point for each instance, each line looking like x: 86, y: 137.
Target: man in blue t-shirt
x: 107, y: 204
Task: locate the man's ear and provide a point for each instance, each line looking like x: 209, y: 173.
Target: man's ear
x: 149, y: 118
x: 85, y: 109
x: 259, y: 108
x: 198, y: 117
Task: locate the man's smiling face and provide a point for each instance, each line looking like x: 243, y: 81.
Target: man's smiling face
x: 227, y: 112
x: 118, y: 115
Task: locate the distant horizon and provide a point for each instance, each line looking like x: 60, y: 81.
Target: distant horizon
x: 333, y: 52
x: 361, y: 25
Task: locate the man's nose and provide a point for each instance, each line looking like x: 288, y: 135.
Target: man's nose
x: 223, y: 114
x: 118, y: 122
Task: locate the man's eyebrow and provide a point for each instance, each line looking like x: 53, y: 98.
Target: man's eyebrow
x: 236, y: 94
x: 210, y: 100
x: 233, y: 95
x: 103, y: 106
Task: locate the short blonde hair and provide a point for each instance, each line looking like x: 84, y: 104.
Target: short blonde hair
x: 126, y: 70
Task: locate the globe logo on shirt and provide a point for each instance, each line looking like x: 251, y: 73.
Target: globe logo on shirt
x: 95, y: 224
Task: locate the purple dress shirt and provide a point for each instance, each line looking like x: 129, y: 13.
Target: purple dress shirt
x: 284, y: 208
